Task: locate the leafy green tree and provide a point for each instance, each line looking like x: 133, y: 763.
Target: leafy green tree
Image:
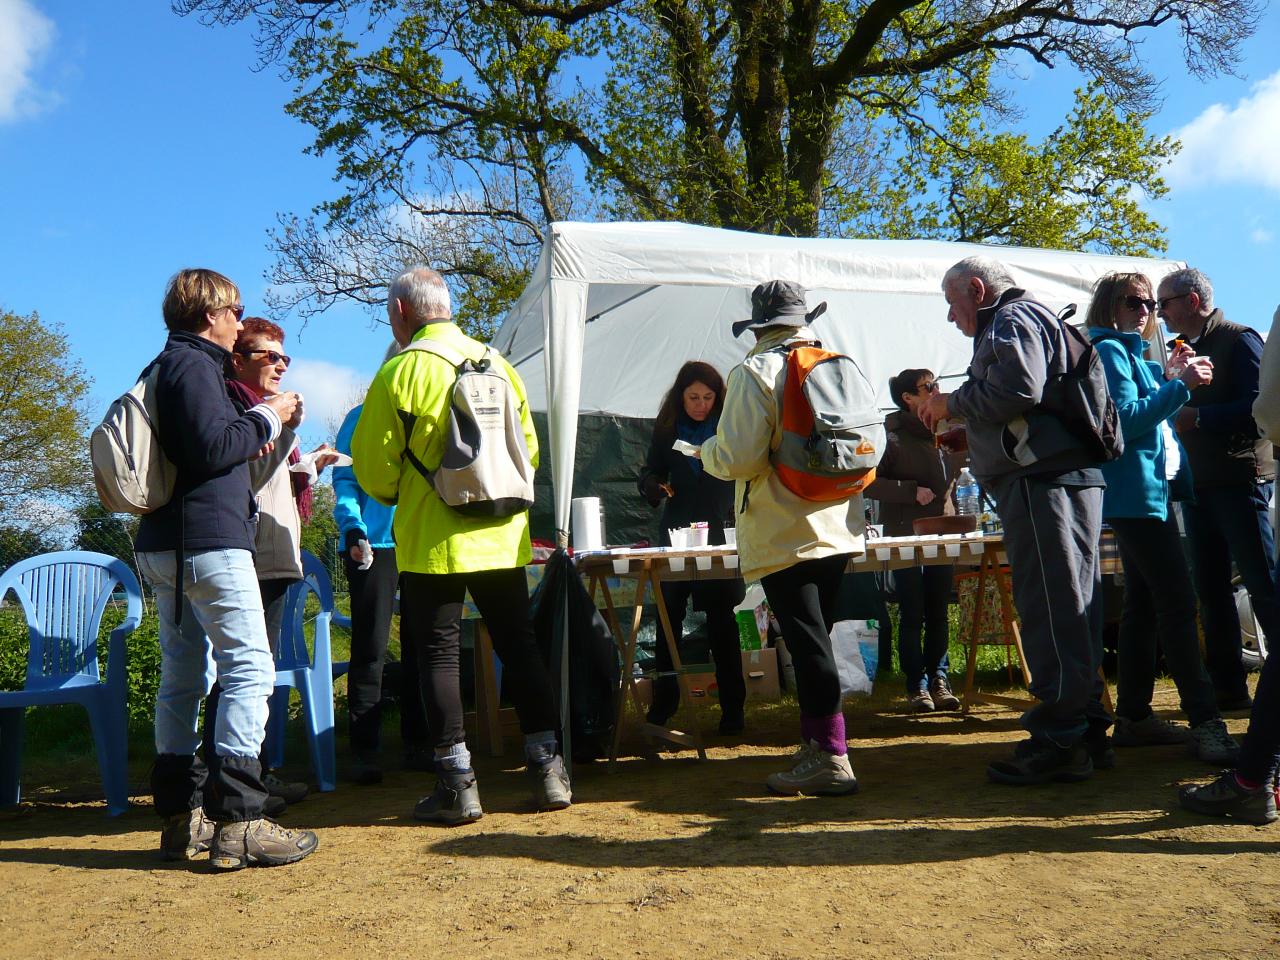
x: 320, y: 533
x: 461, y: 129
x: 43, y: 390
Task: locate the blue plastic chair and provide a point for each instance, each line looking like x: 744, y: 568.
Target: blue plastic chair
x: 63, y: 596
x: 311, y: 674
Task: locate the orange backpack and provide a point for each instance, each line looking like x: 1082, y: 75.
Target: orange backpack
x: 832, y: 433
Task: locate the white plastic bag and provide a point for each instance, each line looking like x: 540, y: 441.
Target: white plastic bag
x: 856, y: 645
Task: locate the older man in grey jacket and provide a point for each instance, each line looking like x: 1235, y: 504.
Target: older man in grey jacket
x: 1048, y: 492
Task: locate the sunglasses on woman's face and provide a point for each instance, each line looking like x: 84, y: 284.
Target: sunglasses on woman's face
x: 1134, y: 303
x: 272, y: 357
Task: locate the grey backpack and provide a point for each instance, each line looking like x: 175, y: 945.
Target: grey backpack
x: 486, y: 470
x: 130, y: 469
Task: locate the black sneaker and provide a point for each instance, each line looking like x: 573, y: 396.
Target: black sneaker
x: 455, y: 800
x: 732, y: 723
x: 1038, y: 761
x: 1225, y: 797
x: 1101, y: 750
x: 1234, y: 702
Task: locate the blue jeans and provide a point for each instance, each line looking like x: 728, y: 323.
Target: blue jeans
x: 1226, y: 524
x: 223, y: 636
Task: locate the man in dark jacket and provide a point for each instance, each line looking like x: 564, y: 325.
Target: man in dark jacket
x: 197, y: 553
x: 1048, y: 493
x: 1232, y: 465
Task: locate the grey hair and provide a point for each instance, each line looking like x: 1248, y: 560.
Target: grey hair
x: 1191, y: 280
x: 391, y: 351
x: 424, y: 293
x: 994, y: 275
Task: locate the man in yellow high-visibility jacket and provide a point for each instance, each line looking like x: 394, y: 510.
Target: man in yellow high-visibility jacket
x: 443, y: 554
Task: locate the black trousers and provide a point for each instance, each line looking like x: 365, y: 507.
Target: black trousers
x: 803, y: 598
x: 373, y: 595
x: 1158, y: 599
x: 431, y: 619
x: 716, y: 598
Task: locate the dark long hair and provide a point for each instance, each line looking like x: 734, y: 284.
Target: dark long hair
x: 695, y: 371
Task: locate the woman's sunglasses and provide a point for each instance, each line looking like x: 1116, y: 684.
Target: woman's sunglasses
x: 1134, y: 302
x: 272, y: 357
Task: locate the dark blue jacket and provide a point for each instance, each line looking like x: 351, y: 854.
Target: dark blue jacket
x: 210, y: 442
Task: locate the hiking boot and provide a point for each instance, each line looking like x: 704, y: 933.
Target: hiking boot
x: 455, y: 800
x: 1151, y: 731
x: 814, y: 772
x: 365, y: 769
x: 940, y: 693
x: 185, y: 835
x: 286, y: 791
x: 550, y: 784
x: 1039, y: 761
x: 1211, y: 743
x: 1225, y: 797
x: 920, y: 702
x: 274, y: 807
x: 259, y: 843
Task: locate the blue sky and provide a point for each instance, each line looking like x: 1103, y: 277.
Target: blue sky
x: 133, y: 142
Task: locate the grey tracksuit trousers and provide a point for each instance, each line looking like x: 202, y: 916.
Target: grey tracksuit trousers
x: 1051, y: 533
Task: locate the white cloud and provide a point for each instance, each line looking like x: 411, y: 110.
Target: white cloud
x: 1261, y: 235
x: 25, y: 36
x: 1233, y: 144
x: 328, y: 391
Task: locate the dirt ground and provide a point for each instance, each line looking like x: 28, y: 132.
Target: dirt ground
x: 670, y: 857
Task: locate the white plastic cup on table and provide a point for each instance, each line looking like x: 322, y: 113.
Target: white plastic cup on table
x: 731, y: 540
x: 679, y: 541
x: 699, y: 534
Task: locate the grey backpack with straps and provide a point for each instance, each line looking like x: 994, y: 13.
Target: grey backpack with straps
x: 486, y: 470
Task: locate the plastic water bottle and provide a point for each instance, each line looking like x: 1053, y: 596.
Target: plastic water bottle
x: 967, y: 494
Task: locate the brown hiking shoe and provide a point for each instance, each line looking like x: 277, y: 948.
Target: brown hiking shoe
x: 259, y: 843
x: 941, y: 695
x: 185, y: 835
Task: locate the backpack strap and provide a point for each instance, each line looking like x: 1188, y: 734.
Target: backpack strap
x: 456, y: 359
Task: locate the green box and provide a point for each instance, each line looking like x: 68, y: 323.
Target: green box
x: 748, y: 632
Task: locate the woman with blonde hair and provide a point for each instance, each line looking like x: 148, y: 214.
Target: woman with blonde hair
x: 1158, y: 595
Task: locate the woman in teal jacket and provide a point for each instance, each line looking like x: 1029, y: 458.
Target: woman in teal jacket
x: 1158, y: 595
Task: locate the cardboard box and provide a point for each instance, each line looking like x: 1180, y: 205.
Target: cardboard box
x: 759, y: 670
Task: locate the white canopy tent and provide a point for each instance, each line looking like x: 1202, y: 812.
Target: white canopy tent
x: 613, y: 310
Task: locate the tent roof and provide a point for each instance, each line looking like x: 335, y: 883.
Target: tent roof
x: 658, y: 294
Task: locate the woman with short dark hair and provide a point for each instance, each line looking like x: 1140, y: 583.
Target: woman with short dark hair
x: 690, y: 412
x: 911, y: 482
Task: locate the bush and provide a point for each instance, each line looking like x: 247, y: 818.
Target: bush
x: 142, y: 668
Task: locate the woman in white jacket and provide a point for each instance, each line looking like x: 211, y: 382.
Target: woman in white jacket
x: 797, y: 548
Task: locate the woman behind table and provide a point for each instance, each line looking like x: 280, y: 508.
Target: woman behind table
x: 258, y: 364
x: 690, y: 412
x: 911, y: 482
x: 1158, y: 595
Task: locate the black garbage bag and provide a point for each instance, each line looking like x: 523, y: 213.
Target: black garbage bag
x: 582, y: 657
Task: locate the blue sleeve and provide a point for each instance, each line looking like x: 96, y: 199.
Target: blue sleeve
x: 346, y: 491
x: 1235, y: 415
x: 1138, y: 415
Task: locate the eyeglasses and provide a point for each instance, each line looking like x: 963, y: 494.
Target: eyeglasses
x: 1134, y: 302
x: 1165, y: 301
x: 930, y: 386
x: 236, y: 308
x: 272, y: 357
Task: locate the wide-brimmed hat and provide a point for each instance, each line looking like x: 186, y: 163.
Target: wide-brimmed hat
x: 778, y: 303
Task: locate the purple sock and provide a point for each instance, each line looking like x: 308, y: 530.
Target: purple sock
x: 826, y: 732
